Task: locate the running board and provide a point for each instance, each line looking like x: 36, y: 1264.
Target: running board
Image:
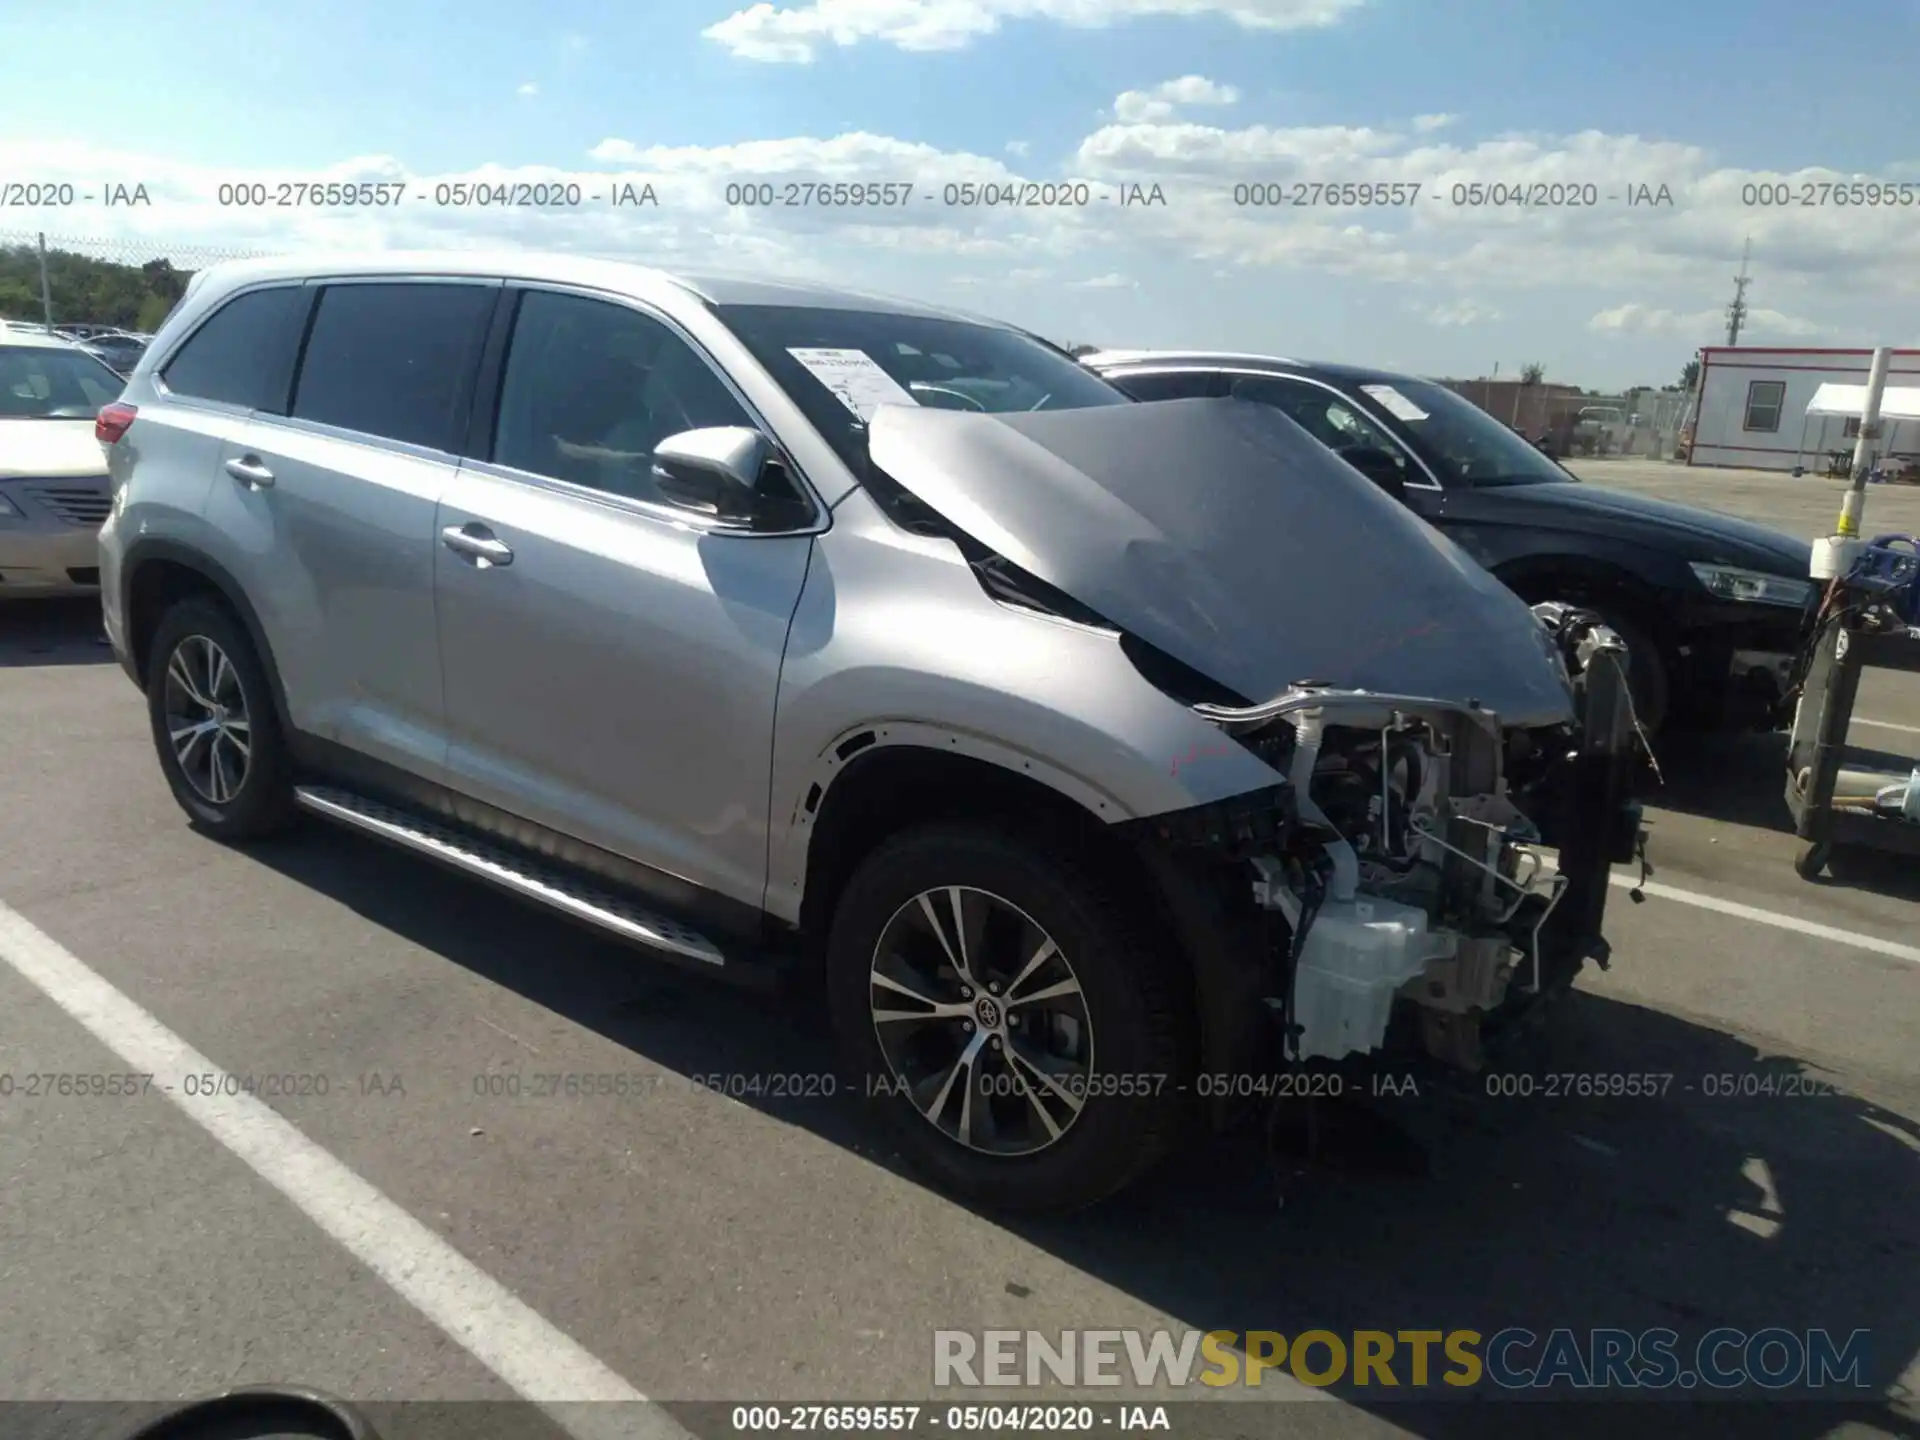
x: 547, y: 885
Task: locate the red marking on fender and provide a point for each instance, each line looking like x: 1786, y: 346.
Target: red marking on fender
x: 1199, y: 751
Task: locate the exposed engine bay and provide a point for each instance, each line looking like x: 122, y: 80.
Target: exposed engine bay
x: 1430, y: 886
x: 1435, y: 864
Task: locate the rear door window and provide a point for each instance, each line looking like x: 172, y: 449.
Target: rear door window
x: 393, y: 360
x: 241, y: 352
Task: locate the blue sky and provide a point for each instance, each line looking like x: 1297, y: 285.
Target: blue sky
x: 1193, y: 95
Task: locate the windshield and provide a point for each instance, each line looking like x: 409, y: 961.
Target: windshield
x: 1464, y: 444
x: 841, y: 365
x: 43, y: 382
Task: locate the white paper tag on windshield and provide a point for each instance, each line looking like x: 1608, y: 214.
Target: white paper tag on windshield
x: 1397, y: 405
x: 854, y: 376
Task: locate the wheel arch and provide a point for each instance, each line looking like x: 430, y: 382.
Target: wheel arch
x: 158, y: 574
x: 891, y: 783
x: 1581, y: 579
x: 879, y: 779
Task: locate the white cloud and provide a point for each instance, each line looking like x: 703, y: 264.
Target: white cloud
x: 795, y: 36
x: 1517, y: 210
x: 1139, y: 106
x: 1457, y: 313
x: 1018, y: 147
x: 1701, y: 326
x: 528, y: 90
x: 1426, y: 123
x: 1855, y: 272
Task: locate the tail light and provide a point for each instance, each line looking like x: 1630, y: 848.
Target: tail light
x: 112, y: 422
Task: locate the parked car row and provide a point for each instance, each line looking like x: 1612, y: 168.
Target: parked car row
x: 1092, y: 756
x: 118, y: 349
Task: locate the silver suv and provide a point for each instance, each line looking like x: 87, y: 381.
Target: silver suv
x: 1100, y: 760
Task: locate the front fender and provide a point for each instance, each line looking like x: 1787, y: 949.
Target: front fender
x: 894, y: 633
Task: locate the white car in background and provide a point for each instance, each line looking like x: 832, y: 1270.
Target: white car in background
x: 53, y: 472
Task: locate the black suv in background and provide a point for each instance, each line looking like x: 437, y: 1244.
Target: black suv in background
x: 1711, y: 607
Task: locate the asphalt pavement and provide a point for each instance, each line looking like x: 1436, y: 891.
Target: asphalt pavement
x: 384, y: 1219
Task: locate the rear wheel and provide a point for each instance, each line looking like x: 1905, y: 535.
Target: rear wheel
x: 1010, y: 1017
x: 214, y: 724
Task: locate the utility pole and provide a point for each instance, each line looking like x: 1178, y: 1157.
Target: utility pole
x: 46, y: 290
x: 1737, y: 311
x: 1864, y: 452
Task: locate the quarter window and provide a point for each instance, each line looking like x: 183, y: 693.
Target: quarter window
x: 1765, y: 399
x: 392, y: 360
x: 590, y: 388
x: 240, y: 353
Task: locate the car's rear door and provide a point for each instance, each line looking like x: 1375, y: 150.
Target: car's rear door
x: 331, y: 504
x: 611, y: 661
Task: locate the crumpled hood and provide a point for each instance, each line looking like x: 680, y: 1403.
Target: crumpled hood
x: 1221, y: 533
x: 1703, y: 534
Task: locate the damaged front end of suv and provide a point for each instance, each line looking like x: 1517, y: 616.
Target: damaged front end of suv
x: 1450, y: 771
x: 1423, y: 863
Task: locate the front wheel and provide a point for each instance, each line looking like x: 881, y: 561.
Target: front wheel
x: 214, y: 724
x: 1011, y: 1016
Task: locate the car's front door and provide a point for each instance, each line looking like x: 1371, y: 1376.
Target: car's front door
x: 611, y: 661
x: 1340, y: 424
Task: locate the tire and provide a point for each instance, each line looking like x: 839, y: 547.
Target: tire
x: 1129, y: 1022
x: 236, y: 779
x: 1812, y: 860
x: 1850, y: 864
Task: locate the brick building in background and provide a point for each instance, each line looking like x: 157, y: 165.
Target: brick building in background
x: 1531, y: 409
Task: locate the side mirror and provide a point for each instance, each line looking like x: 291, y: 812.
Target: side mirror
x: 715, y: 471
x: 1378, y: 466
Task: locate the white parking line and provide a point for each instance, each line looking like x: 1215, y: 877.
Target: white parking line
x: 1886, y: 725
x: 534, y: 1359
x: 1892, y: 948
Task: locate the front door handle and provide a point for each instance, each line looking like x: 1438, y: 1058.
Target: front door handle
x: 248, y: 470
x: 477, y: 543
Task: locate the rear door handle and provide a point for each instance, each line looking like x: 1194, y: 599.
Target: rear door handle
x: 477, y: 543
x: 248, y: 470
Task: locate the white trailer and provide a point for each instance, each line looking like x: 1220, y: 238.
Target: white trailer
x: 1754, y: 409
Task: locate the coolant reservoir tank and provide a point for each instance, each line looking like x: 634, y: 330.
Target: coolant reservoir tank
x: 1357, y: 954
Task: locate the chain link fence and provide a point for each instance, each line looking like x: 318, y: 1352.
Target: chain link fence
x: 133, y: 250
x: 126, y: 282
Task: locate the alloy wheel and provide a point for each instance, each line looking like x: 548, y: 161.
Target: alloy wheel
x: 207, y: 720
x: 982, y: 1021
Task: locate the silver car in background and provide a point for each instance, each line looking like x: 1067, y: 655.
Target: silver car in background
x: 53, y: 471
x: 1088, y: 754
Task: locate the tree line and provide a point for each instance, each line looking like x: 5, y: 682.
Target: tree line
x: 87, y: 291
